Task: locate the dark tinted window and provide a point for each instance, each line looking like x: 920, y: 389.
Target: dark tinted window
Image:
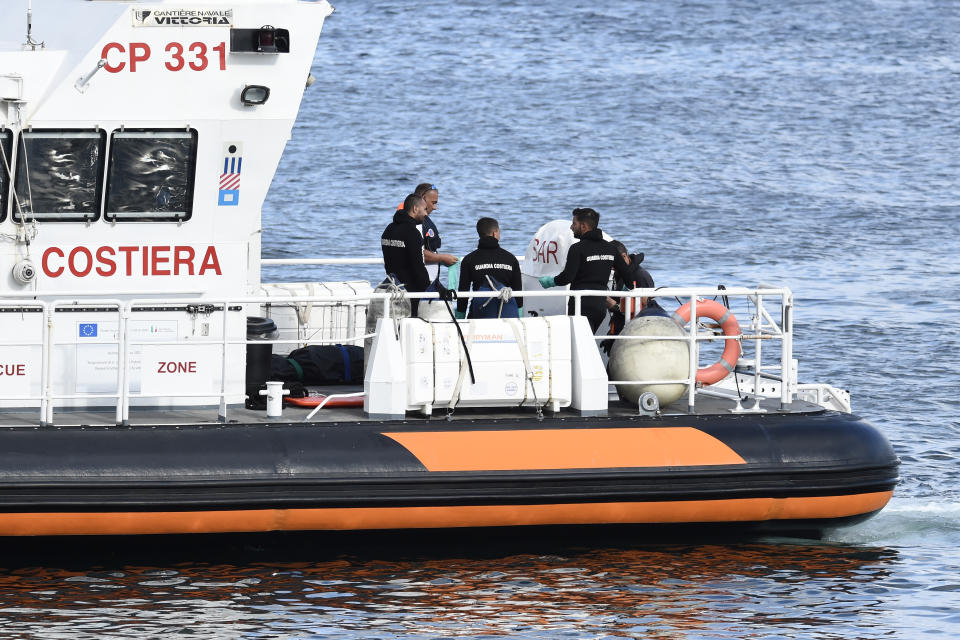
x: 151, y: 175
x: 6, y: 147
x: 59, y: 175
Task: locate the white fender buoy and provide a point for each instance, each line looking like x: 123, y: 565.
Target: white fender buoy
x: 650, y: 360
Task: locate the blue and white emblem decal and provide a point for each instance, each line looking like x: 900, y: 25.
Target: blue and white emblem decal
x: 87, y: 329
x: 229, y: 194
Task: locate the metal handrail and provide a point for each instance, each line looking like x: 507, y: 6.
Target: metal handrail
x: 295, y: 261
x: 761, y: 331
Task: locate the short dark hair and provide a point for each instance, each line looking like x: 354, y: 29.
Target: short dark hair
x: 619, y: 246
x: 410, y: 202
x: 587, y: 216
x: 486, y: 226
x: 423, y: 188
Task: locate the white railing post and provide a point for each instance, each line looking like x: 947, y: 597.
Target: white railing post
x: 47, y: 402
x: 122, y: 363
x: 351, y: 318
x: 786, y: 354
x: 694, y: 354
x: 222, y: 415
x: 757, y: 359
x: 44, y: 363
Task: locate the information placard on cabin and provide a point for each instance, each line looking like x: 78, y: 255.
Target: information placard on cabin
x: 97, y: 351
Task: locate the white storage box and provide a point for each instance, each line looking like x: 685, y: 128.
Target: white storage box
x: 324, y: 322
x: 437, y: 371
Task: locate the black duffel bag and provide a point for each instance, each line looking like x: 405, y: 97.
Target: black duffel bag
x: 320, y: 364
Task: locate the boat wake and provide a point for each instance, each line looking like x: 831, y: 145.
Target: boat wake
x: 906, y: 523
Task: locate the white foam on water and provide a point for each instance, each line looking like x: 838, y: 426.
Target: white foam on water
x: 906, y: 523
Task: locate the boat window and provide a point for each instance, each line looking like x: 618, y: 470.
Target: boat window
x: 6, y: 146
x: 151, y: 175
x: 59, y: 175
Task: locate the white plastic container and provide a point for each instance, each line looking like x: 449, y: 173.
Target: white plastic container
x: 317, y: 322
x: 437, y: 372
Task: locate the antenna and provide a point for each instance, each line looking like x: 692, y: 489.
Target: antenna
x: 31, y: 43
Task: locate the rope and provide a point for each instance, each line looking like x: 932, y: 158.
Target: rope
x: 397, y: 296
x: 504, y: 295
x: 517, y: 328
x: 22, y: 223
x: 464, y: 357
x: 26, y: 165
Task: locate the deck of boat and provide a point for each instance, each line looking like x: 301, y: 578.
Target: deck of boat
x: 144, y: 416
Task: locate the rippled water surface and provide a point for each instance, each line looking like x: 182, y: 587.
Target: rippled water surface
x: 570, y: 587
x: 811, y: 144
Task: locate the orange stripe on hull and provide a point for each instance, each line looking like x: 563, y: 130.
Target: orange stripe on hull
x: 565, y: 449
x: 693, y: 511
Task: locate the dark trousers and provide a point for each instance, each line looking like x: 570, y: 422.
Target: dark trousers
x: 595, y: 309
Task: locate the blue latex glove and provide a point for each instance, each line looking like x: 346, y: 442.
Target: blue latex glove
x: 520, y: 312
x: 459, y: 315
x: 547, y: 281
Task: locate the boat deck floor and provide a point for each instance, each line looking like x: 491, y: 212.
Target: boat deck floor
x: 208, y: 415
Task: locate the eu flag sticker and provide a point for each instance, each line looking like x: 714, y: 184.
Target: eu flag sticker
x: 87, y: 329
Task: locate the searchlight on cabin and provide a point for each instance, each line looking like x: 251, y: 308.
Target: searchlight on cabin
x: 267, y: 39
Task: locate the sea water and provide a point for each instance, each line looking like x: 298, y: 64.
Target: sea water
x: 809, y: 144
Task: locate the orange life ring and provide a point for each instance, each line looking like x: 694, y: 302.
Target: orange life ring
x: 312, y: 401
x: 728, y: 323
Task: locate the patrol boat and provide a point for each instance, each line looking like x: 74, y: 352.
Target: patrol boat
x: 138, y: 142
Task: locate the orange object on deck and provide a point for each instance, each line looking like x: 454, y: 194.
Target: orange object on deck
x: 730, y: 327
x: 312, y: 401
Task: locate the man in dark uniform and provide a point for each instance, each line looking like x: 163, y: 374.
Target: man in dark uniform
x: 402, y: 247
x: 431, y: 235
x: 488, y: 260
x: 588, y: 266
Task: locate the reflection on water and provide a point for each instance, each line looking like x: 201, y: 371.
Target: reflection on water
x: 435, y: 587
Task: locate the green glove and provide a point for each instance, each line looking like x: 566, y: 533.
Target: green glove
x: 453, y: 275
x: 520, y: 312
x: 547, y: 281
x: 459, y: 315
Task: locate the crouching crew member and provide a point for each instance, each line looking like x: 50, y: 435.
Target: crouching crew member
x: 488, y: 260
x: 588, y: 266
x: 402, y: 246
x: 623, y: 310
